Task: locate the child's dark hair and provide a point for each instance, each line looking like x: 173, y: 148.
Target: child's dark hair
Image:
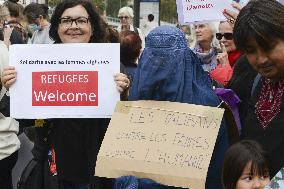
x: 236, y: 159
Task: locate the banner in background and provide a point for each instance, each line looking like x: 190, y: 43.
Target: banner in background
x: 190, y: 11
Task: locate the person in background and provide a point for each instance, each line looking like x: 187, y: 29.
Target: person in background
x: 206, y: 45
x: 14, y: 20
x: 264, y: 49
x: 229, y: 55
x: 130, y: 47
x: 9, y: 142
x: 170, y: 71
x: 38, y: 14
x: 150, y: 24
x: 245, y: 166
x: 126, y: 15
x: 74, y: 143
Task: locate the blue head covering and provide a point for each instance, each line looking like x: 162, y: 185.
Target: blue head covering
x: 169, y: 71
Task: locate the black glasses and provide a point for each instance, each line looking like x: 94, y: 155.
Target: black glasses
x: 80, y: 22
x: 228, y: 36
x: 123, y: 17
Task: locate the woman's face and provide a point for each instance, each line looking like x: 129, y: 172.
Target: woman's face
x: 269, y: 64
x: 225, y: 27
x: 203, y: 33
x: 74, y: 26
x: 249, y: 180
x: 125, y: 20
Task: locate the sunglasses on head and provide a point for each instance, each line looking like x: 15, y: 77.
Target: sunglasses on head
x: 123, y: 17
x: 228, y: 36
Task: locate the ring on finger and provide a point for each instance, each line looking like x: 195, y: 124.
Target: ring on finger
x: 232, y: 21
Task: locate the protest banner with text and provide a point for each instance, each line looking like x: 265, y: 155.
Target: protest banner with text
x: 169, y: 142
x: 190, y: 11
x: 64, y: 80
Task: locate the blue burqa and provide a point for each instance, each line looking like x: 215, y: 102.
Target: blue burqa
x: 169, y: 71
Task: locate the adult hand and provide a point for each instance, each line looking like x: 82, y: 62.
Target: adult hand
x: 222, y: 57
x: 231, y: 15
x: 122, y: 82
x: 8, y: 76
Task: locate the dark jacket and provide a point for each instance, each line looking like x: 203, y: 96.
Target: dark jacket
x: 241, y: 83
x: 77, y: 143
x: 272, y: 138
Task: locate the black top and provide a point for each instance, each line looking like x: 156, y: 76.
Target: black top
x: 272, y: 138
x: 77, y: 143
x: 16, y: 37
x: 241, y: 83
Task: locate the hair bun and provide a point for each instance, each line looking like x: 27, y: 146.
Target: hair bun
x: 14, y: 1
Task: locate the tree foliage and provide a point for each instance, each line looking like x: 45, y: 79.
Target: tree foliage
x: 168, y: 11
x: 100, y: 5
x: 113, y: 7
x: 168, y: 8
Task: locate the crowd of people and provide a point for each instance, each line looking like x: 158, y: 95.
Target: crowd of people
x: 243, y: 53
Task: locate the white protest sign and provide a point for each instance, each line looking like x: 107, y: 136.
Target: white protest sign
x: 64, y: 80
x: 190, y: 11
x: 169, y: 142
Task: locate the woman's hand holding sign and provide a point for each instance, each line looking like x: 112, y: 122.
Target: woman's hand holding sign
x: 122, y: 82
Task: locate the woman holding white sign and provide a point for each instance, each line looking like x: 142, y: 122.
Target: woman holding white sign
x: 74, y: 142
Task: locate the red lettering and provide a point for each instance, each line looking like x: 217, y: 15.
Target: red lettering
x: 203, y: 6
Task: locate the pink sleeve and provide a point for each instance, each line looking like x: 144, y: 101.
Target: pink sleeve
x: 222, y: 74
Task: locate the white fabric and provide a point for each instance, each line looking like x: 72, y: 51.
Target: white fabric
x: 9, y: 142
x: 149, y: 26
x: 4, y: 62
x: 9, y: 127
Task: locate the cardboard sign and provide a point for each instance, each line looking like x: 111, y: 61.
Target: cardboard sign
x: 169, y: 142
x: 64, y: 80
x: 190, y: 11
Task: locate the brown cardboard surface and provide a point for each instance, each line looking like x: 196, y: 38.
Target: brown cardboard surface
x: 168, y: 142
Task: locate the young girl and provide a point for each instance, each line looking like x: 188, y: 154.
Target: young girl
x: 245, y: 166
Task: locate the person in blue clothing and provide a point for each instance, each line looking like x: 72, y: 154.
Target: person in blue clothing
x: 169, y: 71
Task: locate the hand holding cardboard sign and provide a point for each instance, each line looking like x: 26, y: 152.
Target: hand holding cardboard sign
x: 122, y: 82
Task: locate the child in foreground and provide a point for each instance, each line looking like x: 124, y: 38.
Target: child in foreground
x: 245, y: 166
